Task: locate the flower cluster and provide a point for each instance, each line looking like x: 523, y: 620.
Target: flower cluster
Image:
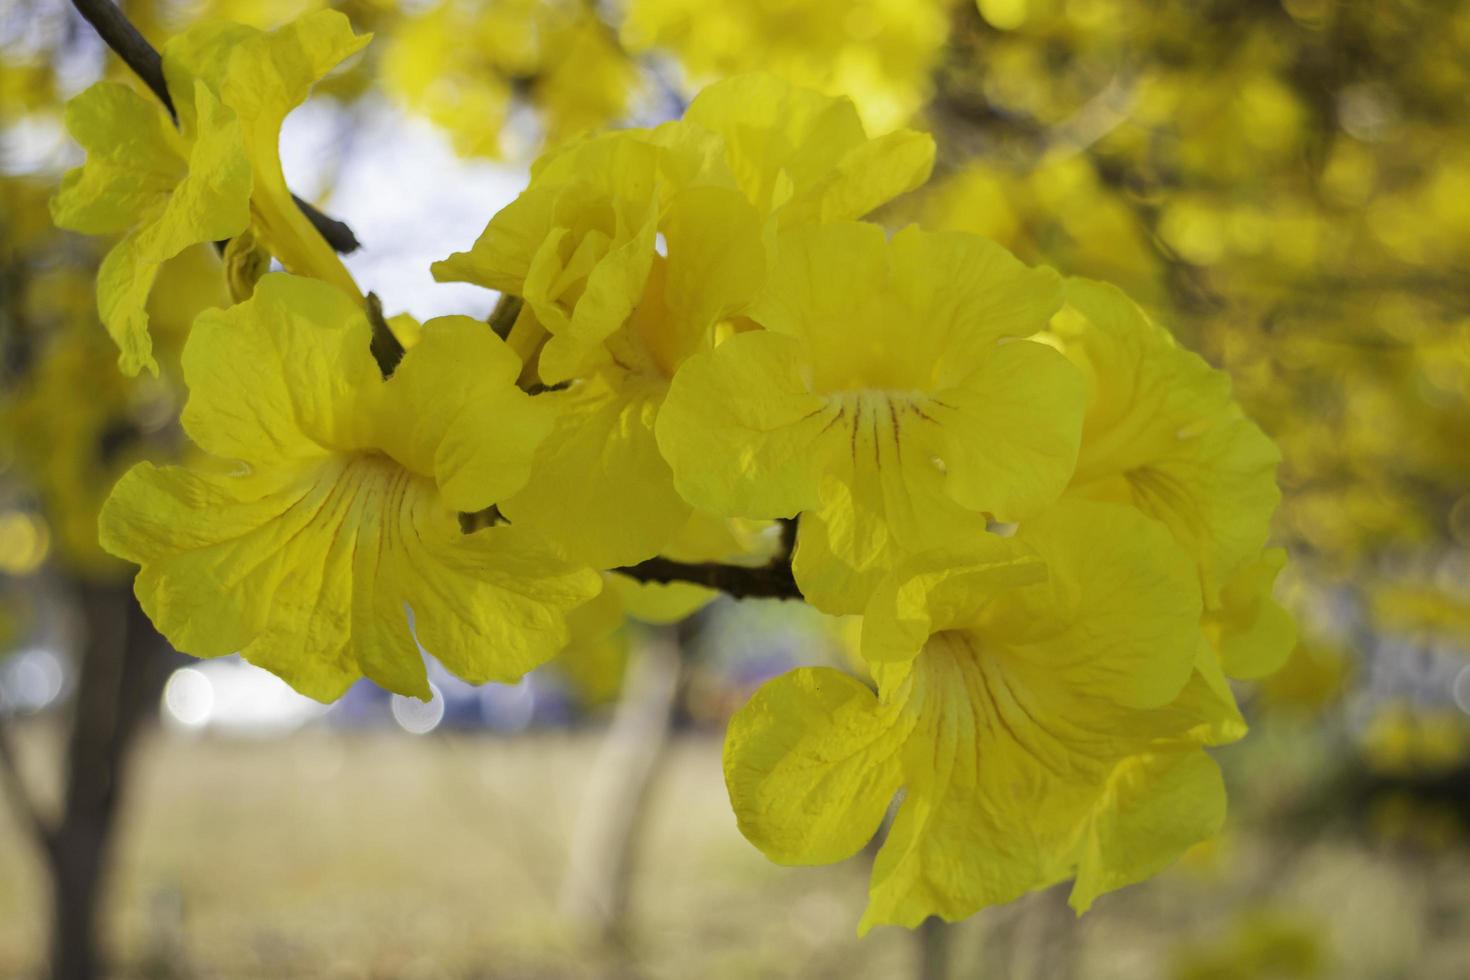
x: 1051, y: 518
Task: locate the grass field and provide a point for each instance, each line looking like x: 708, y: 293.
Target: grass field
x: 357, y: 855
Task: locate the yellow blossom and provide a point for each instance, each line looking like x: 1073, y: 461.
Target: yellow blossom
x: 892, y: 400
x: 1037, y: 703
x: 320, y: 538
x: 208, y: 180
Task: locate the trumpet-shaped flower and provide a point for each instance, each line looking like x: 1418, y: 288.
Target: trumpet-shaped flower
x: 208, y: 180
x: 892, y: 400
x: 600, y: 488
x: 1163, y: 434
x: 321, y: 538
x: 1037, y: 704
x: 262, y: 76
x: 578, y: 244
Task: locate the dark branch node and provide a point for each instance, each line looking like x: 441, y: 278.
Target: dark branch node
x: 386, y: 348
x: 774, y: 581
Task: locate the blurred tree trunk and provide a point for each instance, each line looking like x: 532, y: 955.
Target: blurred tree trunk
x: 933, y: 941
x: 597, y: 889
x: 118, y: 670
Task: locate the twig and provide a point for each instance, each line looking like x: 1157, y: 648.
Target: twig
x: 133, y: 48
x: 15, y: 786
x: 774, y: 581
x: 386, y: 347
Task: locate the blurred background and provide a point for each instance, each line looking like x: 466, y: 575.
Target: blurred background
x: 1284, y: 183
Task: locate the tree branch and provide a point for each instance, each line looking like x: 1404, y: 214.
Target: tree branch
x: 144, y: 60
x: 386, y: 348
x: 774, y: 581
x: 15, y: 786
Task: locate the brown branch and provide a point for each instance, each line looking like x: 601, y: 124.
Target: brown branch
x: 774, y: 581
x: 15, y: 786
x: 144, y: 60
x: 386, y: 347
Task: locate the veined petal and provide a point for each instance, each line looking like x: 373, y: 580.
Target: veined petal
x: 490, y: 605
x: 452, y: 409
x: 994, y: 791
x: 1011, y: 430
x: 963, y: 292
x: 943, y: 590
x: 743, y: 431
x: 134, y: 161
x: 210, y: 202
x: 258, y: 565
x: 1118, y: 616
x: 286, y: 374
x: 1163, y: 434
x: 811, y: 763
x: 1156, y: 806
x: 313, y: 570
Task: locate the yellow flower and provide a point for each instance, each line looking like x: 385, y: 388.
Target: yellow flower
x: 262, y: 76
x: 210, y: 179
x: 600, y: 488
x: 630, y: 249
x: 892, y: 400
x: 320, y: 539
x: 1037, y: 703
x: 577, y: 245
x: 1163, y: 433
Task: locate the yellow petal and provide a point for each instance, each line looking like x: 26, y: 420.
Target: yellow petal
x: 995, y: 785
x: 811, y: 764
x: 134, y: 161
x: 660, y: 603
x: 209, y: 202
x: 313, y: 571
x: 262, y: 76
x: 284, y: 375
x: 1156, y: 806
x: 599, y: 488
x: 1252, y: 632
x: 1010, y: 431
x: 452, y: 409
x: 1119, y: 614
x: 740, y: 427
x: 1163, y: 434
x: 943, y: 590
x: 804, y: 156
